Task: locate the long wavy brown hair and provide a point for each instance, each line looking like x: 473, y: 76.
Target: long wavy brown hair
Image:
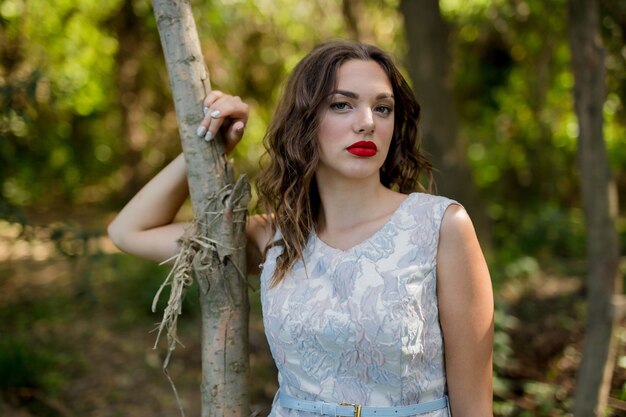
x: 287, y: 186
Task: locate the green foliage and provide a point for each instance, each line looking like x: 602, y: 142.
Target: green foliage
x: 55, y: 77
x: 86, y: 117
x: 502, y: 351
x: 85, y: 111
x: 32, y: 357
x: 26, y: 365
x: 514, y: 88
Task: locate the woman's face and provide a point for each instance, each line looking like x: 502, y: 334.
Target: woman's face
x: 356, y: 123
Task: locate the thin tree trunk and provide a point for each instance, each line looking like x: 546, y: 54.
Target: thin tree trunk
x: 600, y: 206
x: 219, y: 211
x: 131, y: 110
x: 429, y: 67
x: 350, y: 10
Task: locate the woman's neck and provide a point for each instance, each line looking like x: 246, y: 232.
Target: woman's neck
x: 348, y: 204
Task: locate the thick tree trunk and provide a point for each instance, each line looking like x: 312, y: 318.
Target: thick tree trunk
x: 600, y: 206
x: 219, y: 210
x: 429, y: 68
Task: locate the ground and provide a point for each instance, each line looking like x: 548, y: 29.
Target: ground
x: 76, y: 336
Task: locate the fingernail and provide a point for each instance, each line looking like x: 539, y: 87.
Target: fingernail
x: 215, y: 114
x: 208, y: 137
x: 205, y: 110
x: 201, y: 131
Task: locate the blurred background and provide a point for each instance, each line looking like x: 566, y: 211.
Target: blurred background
x: 86, y: 118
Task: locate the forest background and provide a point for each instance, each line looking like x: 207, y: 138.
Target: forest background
x: 86, y: 118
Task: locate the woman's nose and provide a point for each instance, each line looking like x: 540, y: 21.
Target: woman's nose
x: 364, y: 122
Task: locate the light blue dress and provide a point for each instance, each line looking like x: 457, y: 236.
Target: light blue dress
x: 361, y: 325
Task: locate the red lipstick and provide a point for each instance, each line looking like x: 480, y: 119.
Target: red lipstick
x: 363, y: 148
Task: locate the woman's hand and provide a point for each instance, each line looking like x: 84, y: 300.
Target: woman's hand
x: 225, y: 113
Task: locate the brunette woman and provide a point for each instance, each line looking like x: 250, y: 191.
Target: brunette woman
x: 376, y: 298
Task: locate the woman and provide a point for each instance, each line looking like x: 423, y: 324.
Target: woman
x: 373, y: 295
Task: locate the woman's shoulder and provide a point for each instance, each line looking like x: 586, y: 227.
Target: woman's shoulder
x: 456, y: 227
x: 425, y: 202
x: 444, y: 215
x: 425, y: 197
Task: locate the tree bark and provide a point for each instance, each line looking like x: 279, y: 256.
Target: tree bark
x: 599, y: 197
x: 219, y: 217
x: 429, y: 68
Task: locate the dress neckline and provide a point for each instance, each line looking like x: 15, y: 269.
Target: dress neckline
x: 331, y: 249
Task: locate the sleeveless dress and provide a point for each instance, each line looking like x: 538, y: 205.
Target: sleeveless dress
x: 361, y: 325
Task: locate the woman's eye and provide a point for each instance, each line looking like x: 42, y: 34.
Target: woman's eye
x: 384, y: 110
x: 339, y: 106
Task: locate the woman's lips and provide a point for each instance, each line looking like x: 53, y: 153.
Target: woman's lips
x: 363, y: 148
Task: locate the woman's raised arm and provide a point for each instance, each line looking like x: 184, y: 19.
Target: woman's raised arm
x: 144, y: 226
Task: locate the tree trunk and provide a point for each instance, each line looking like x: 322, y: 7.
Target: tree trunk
x: 350, y: 10
x: 131, y: 109
x: 429, y: 68
x: 219, y: 218
x: 600, y: 206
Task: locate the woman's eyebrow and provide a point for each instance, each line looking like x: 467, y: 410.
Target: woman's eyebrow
x: 344, y: 93
x: 353, y: 95
x: 384, y: 95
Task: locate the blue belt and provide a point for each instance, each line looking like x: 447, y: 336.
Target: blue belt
x: 356, y: 410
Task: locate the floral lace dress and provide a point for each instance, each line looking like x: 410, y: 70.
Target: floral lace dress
x: 361, y: 325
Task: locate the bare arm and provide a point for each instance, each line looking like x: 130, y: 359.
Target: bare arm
x: 466, y: 315
x: 144, y: 226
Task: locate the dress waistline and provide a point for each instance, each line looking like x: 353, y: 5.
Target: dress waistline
x: 356, y: 410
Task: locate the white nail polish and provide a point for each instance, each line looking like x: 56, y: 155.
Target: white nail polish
x: 205, y: 110
x: 201, y: 131
x: 208, y: 136
x: 215, y: 114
